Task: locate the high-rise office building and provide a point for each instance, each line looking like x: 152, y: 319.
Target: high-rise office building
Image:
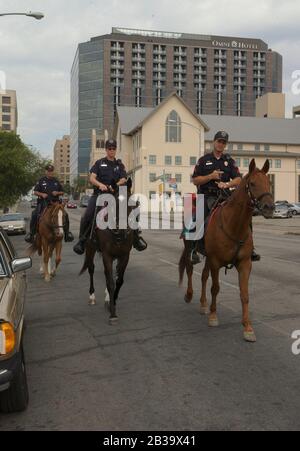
x: 214, y: 75
x: 9, y: 111
x: 61, y: 159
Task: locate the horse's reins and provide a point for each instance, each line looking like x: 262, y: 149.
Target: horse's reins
x: 254, y: 203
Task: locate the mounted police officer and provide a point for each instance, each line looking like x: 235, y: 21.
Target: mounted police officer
x: 103, y: 173
x: 214, y: 172
x: 48, y: 190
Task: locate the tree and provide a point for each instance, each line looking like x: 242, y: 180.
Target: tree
x: 20, y: 168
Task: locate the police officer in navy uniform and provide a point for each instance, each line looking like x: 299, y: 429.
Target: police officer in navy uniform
x: 213, y: 172
x: 103, y: 173
x: 48, y: 190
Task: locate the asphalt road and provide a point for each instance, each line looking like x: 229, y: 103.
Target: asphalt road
x: 161, y: 368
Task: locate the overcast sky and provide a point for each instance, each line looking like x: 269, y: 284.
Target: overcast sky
x: 37, y: 55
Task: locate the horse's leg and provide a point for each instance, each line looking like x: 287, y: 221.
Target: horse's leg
x: 110, y: 284
x: 58, y: 249
x: 90, y: 255
x: 186, y: 264
x: 46, y: 260
x: 121, y: 268
x: 213, y: 318
x: 204, y: 310
x: 244, y: 270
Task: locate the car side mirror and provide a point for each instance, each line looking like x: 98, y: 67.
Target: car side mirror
x: 21, y: 264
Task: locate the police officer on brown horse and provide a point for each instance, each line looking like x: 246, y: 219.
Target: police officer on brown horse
x: 102, y: 174
x: 214, y: 172
x: 48, y: 190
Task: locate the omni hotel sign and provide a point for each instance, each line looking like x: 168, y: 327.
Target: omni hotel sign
x: 235, y: 45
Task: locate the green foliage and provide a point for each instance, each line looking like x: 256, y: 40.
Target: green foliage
x: 20, y: 168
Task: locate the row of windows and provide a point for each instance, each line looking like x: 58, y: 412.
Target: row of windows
x: 6, y: 118
x: 277, y: 164
x: 5, y: 127
x: 169, y: 160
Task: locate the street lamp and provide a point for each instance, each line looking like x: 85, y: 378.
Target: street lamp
x: 35, y: 15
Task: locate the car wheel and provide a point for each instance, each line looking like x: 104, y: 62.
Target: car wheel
x: 16, y: 398
x: 294, y: 213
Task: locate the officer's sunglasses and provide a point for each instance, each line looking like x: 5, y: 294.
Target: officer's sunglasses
x: 222, y: 141
x: 111, y: 148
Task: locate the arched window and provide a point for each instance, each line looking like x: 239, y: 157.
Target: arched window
x: 173, y: 128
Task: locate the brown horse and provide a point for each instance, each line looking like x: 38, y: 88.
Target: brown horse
x: 229, y: 242
x: 115, y: 245
x: 49, y: 238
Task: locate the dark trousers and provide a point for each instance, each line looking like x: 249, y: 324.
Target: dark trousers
x: 88, y: 217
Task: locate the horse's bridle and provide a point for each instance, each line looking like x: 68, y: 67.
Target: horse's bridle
x: 256, y: 201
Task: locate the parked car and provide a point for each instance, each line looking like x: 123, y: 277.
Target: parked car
x: 282, y: 211
x: 295, y: 208
x: 13, y: 223
x: 84, y: 201
x: 71, y: 205
x: 13, y: 381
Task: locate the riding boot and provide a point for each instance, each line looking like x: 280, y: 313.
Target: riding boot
x: 79, y: 247
x: 29, y: 238
x: 192, y: 248
x: 69, y: 237
x: 138, y: 241
x: 255, y: 257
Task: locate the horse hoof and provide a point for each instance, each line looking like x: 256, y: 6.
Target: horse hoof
x: 188, y: 299
x: 48, y: 279
x: 213, y: 322
x: 250, y: 337
x: 204, y: 310
x: 113, y: 321
x: 92, y: 300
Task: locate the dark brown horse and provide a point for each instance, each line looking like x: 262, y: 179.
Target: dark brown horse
x: 49, y: 237
x: 115, y: 245
x: 229, y: 242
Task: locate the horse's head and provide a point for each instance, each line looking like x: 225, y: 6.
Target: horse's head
x: 57, y: 219
x: 258, y: 187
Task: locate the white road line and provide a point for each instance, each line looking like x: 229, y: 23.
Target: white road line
x: 276, y: 329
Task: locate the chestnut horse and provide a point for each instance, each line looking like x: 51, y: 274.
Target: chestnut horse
x: 229, y: 242
x: 49, y: 237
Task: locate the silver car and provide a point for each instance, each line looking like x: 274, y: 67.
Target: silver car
x: 13, y: 223
x: 13, y: 380
x: 282, y: 211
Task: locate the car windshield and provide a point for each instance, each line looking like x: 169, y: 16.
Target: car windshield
x: 8, y: 218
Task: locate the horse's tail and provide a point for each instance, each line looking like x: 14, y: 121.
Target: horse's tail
x: 182, y: 266
x: 35, y: 247
x: 85, y: 265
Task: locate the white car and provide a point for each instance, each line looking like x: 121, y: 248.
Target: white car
x: 13, y: 223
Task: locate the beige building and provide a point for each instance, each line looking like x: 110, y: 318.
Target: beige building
x: 98, y: 146
x: 271, y: 105
x: 170, y: 138
x: 9, y: 111
x: 263, y: 138
x: 61, y: 158
x: 165, y: 141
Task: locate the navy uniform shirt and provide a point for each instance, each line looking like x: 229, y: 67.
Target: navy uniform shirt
x: 47, y: 186
x: 208, y: 164
x: 107, y: 171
